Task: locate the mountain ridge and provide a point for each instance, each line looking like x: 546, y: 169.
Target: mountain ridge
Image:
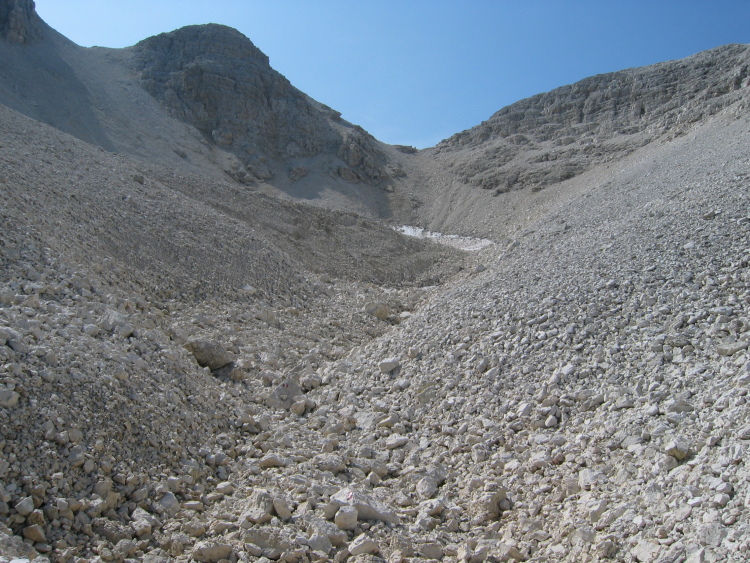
x: 650, y: 101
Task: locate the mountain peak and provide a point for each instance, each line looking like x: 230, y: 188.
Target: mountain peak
x: 206, y: 40
x: 19, y: 22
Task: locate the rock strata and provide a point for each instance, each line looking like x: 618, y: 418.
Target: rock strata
x: 598, y: 119
x: 214, y: 78
x: 19, y: 22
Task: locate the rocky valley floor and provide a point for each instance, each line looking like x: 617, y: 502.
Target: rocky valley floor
x: 576, y: 392
x: 215, y: 345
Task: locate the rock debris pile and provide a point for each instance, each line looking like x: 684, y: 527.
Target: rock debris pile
x: 582, y: 397
x: 191, y: 370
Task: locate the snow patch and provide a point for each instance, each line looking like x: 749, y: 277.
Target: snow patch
x: 462, y: 243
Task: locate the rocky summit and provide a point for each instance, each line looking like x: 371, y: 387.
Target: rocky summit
x: 218, y: 345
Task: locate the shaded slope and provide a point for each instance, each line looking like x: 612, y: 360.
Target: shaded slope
x: 211, y: 105
x: 186, y: 234
x: 213, y: 78
x: 38, y: 81
x: 19, y: 22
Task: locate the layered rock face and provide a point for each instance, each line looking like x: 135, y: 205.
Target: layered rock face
x: 557, y: 135
x: 19, y: 22
x: 214, y: 78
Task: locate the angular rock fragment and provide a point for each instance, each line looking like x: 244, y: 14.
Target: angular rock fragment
x: 486, y: 506
x: 8, y: 398
x: 209, y: 353
x: 367, y: 507
x: 259, y: 508
x: 363, y: 544
x: 346, y: 517
x: 284, y: 395
x: 328, y: 529
x: 210, y: 551
x: 388, y: 365
x: 677, y: 448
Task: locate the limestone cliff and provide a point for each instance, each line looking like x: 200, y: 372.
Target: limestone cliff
x: 557, y: 135
x: 214, y: 78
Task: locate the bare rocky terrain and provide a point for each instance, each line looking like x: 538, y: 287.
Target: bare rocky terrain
x: 215, y: 346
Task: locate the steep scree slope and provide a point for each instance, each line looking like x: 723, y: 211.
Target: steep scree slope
x: 192, y: 371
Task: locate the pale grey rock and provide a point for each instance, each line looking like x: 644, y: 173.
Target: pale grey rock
x: 596, y: 509
x: 388, y: 365
x: 588, y: 478
x: 711, y: 534
x: 209, y: 353
x: 646, y: 551
x: 34, y: 533
x: 378, y: 310
x: 169, y: 504
x: 77, y: 456
x: 113, y: 531
x: 325, y: 528
x: 114, y: 321
x: 427, y: 487
x: 141, y: 525
x: 282, y: 508
x: 225, y: 488
x: 334, y: 463
x: 8, y: 398
x: 430, y: 550
x: 298, y: 407
x: 259, y: 508
x: 285, y: 394
x: 396, y: 441
x: 367, y: 508
x: 679, y: 405
x: 677, y: 448
x: 320, y: 543
x: 363, y: 544
x: 346, y: 517
x: 25, y: 506
x: 273, y: 460
x: 210, y: 551
x: 486, y: 506
x: 730, y: 349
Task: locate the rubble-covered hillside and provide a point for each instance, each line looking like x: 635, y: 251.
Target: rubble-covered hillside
x: 193, y: 368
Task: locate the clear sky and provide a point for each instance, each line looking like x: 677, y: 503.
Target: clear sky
x: 414, y: 72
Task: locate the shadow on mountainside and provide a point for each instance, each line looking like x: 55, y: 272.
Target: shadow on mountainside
x: 36, y: 80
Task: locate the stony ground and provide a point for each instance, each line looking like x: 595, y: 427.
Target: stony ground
x: 576, y: 394
x: 192, y: 369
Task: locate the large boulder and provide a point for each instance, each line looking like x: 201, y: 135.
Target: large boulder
x: 209, y: 354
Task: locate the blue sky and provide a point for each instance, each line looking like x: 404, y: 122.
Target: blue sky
x: 414, y: 72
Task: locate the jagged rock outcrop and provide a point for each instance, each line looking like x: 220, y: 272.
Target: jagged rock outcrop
x: 554, y: 136
x: 214, y: 78
x: 19, y: 21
